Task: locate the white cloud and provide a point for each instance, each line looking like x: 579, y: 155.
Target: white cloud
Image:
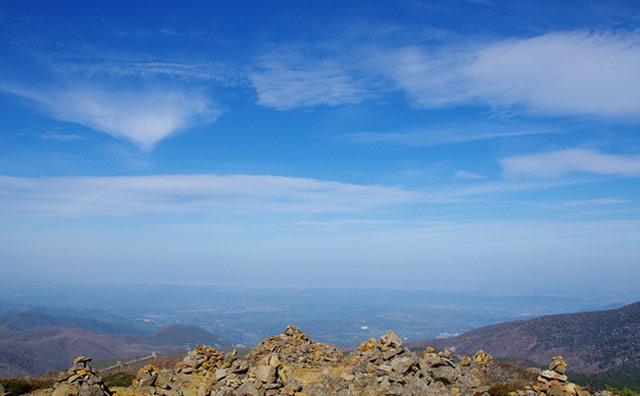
x: 286, y: 80
x: 124, y: 67
x: 144, y: 116
x: 63, y: 137
x: 596, y: 201
x: 561, y: 73
x: 466, y: 175
x: 557, y: 163
x: 558, y: 73
x: 85, y: 196
x: 446, y: 135
x: 430, y: 78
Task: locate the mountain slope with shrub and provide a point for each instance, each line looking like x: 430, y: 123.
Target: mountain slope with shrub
x: 590, y: 342
x: 30, y: 320
x: 46, y: 348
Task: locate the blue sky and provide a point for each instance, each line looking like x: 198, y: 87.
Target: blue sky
x: 404, y: 144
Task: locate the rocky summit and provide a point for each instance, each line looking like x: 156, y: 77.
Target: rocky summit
x: 292, y: 364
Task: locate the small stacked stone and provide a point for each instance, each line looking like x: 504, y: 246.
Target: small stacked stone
x: 146, y: 376
x: 482, y: 359
x: 386, y: 365
x: 80, y: 380
x: 202, y: 359
x: 554, y: 382
x: 152, y: 381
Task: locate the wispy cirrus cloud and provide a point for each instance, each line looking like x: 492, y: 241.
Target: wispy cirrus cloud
x: 560, y: 162
x: 129, y: 66
x: 466, y: 175
x: 62, y: 137
x: 144, y: 115
x: 575, y: 72
x: 202, y: 194
x: 558, y: 73
x: 444, y: 135
x: 288, y: 79
x: 596, y: 201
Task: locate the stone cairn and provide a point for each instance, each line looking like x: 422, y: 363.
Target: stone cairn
x: 193, y: 376
x: 554, y: 382
x: 293, y: 365
x: 80, y: 380
x: 269, y: 368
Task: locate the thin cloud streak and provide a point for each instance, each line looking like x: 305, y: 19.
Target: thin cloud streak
x: 232, y: 195
x: 444, y: 136
x: 124, y: 67
x: 596, y: 201
x: 557, y: 163
x: 203, y: 194
x: 466, y: 175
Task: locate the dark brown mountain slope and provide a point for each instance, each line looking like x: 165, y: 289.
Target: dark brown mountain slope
x: 48, y: 348
x: 590, y: 342
x: 52, y: 347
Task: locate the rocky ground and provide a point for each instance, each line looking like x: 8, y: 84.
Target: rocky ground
x: 291, y: 364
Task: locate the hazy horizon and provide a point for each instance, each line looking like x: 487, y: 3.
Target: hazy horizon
x: 471, y: 145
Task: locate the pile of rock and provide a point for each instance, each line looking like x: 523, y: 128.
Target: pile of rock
x: 294, y: 346
x: 482, y: 359
x: 266, y: 377
x: 152, y: 381
x: 554, y: 382
x: 202, y: 360
x: 80, y: 380
x: 293, y: 365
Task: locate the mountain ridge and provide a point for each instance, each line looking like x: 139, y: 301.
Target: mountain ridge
x: 45, y: 348
x: 591, y: 342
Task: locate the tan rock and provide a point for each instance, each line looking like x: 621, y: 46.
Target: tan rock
x: 266, y: 374
x: 558, y: 365
x: 390, y: 340
x: 552, y: 375
x: 274, y: 361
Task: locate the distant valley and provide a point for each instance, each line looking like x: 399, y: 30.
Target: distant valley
x: 45, y: 328
x: 247, y: 315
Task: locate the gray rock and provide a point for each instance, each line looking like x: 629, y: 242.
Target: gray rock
x: 91, y: 391
x: 247, y: 389
x: 190, y: 362
x: 147, y: 381
x: 221, y: 373
x: 401, y: 365
x: 226, y: 391
x: 295, y: 385
x: 445, y: 374
x: 73, y: 378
